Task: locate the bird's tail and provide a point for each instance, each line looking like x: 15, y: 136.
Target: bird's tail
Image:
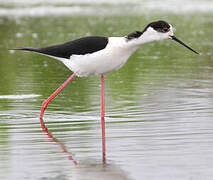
x: 43, y: 51
x: 27, y: 49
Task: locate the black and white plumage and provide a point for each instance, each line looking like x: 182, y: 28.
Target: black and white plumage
x: 100, y: 55
x: 86, y: 45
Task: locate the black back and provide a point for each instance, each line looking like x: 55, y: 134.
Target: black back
x: 80, y: 46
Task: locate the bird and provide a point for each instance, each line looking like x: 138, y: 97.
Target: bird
x: 99, y: 55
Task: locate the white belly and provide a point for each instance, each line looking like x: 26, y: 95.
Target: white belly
x: 113, y: 57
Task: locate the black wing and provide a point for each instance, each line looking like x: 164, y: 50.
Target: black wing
x: 80, y: 46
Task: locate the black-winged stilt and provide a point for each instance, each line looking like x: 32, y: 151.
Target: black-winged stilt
x: 97, y: 55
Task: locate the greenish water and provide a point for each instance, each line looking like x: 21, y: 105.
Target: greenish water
x: 159, y: 106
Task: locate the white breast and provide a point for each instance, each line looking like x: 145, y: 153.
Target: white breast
x: 112, y: 57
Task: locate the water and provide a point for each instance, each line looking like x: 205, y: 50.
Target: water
x: 36, y: 8
x: 159, y: 106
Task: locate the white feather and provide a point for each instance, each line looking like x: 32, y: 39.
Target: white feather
x: 112, y: 57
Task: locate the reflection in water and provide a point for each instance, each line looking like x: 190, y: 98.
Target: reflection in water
x: 22, y: 96
x: 88, y: 169
x: 159, y: 105
x: 97, y: 171
x: 75, y: 7
x: 61, y: 145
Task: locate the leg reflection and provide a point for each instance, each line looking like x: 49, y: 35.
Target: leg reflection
x: 61, y: 145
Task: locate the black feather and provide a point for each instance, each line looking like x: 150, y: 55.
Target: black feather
x: 76, y: 47
x: 134, y: 35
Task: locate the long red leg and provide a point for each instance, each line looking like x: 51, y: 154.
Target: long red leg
x: 46, y: 102
x: 102, y: 120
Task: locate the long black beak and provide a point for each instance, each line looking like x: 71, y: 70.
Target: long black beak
x: 179, y: 41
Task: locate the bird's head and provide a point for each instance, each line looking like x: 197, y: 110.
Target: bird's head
x: 156, y: 31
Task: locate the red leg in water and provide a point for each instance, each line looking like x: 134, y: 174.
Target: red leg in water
x: 46, y: 102
x: 102, y: 120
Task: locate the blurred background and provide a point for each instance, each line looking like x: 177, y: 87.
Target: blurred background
x: 159, y: 106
